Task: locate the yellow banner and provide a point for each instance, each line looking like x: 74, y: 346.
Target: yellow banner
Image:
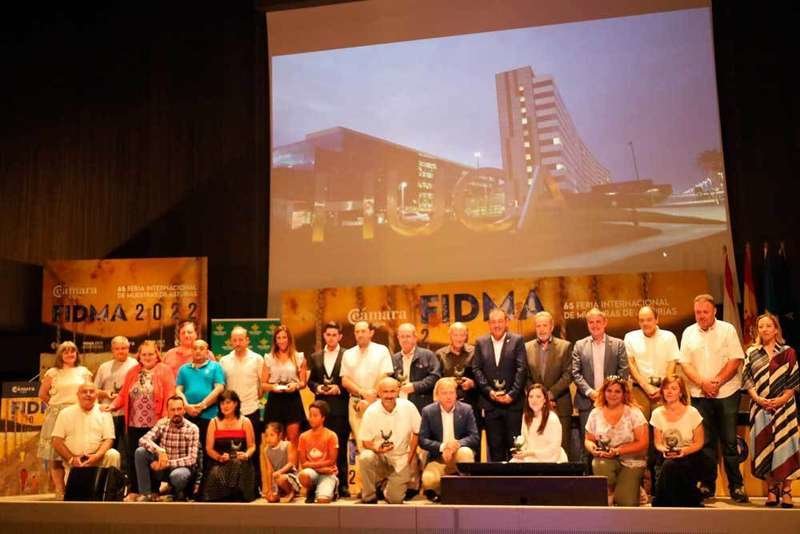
x: 433, y: 307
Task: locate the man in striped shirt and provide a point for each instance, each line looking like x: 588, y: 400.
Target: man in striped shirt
x: 168, y: 452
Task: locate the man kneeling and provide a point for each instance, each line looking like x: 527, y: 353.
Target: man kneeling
x: 168, y: 451
x: 317, y: 452
x: 449, y: 433
x: 83, y: 434
x: 389, y: 434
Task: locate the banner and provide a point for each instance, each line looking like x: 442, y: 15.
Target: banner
x: 91, y: 301
x: 433, y: 307
x: 21, y: 417
x: 259, y: 330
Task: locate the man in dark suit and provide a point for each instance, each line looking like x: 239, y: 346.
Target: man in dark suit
x: 499, y: 368
x: 593, y: 359
x: 417, y: 369
x: 326, y: 384
x: 550, y: 364
x: 449, y: 433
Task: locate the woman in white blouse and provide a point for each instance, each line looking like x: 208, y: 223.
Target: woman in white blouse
x: 541, y: 430
x: 616, y: 437
x: 679, y: 438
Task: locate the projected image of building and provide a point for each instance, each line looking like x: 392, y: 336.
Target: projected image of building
x: 536, y: 130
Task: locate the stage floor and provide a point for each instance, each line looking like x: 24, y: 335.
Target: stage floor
x: 32, y: 514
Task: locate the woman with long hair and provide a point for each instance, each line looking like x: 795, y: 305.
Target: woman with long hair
x: 285, y: 374
x: 616, y: 436
x: 58, y: 390
x: 143, y: 401
x: 678, y: 437
x: 772, y: 378
x: 540, y: 434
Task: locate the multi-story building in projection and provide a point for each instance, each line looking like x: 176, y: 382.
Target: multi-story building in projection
x: 536, y: 130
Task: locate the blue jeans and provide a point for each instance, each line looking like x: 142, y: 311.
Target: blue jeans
x: 178, y: 477
x: 719, y: 425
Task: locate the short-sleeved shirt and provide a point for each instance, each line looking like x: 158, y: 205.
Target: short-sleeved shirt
x: 65, y: 383
x: 111, y: 375
x: 243, y: 375
x: 620, y: 433
x: 283, y: 371
x: 366, y: 367
x: 198, y: 382
x: 402, y: 422
x: 652, y: 354
x: 708, y: 351
x: 316, y: 448
x: 683, y: 428
x: 83, y: 431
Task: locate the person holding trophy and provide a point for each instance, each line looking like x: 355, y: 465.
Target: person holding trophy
x: 283, y: 377
x: 389, y: 435
x: 616, y: 437
x: 500, y: 372
x: 678, y: 429
x: 540, y: 436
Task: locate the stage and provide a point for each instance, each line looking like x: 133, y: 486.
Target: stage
x: 33, y: 515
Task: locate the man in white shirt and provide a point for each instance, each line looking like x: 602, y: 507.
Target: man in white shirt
x: 109, y: 379
x: 243, y: 369
x: 711, y: 358
x: 389, y: 435
x: 362, y: 367
x: 83, y: 434
x: 652, y: 356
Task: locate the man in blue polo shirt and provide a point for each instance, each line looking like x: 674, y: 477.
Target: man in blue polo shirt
x: 200, y: 382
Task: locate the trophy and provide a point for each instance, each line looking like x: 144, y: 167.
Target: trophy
x: 326, y: 384
x: 282, y: 385
x: 519, y: 444
x: 458, y: 373
x: 655, y: 381
x: 499, y: 387
x: 236, y: 446
x: 603, y: 442
x: 400, y: 377
x: 386, y: 439
x: 671, y: 441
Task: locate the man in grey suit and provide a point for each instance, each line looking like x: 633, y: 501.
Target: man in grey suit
x: 593, y: 359
x: 550, y: 364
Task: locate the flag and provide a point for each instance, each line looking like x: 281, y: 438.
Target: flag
x: 730, y: 310
x: 750, y: 308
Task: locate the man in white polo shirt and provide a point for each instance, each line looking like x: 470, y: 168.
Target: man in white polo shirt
x: 362, y: 367
x: 83, y: 434
x: 389, y: 436
x: 711, y: 358
x: 243, y: 369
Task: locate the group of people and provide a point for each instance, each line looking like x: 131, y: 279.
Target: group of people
x: 195, y: 423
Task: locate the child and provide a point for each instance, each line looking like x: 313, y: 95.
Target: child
x: 278, y: 471
x: 317, y: 453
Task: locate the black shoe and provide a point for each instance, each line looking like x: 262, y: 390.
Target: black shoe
x: 311, y: 497
x: 378, y: 493
x: 431, y: 495
x: 705, y: 492
x: 344, y: 492
x: 738, y: 495
x: 371, y: 501
x: 411, y: 493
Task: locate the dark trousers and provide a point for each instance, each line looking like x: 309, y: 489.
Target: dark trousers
x: 676, y: 484
x: 341, y: 427
x: 502, y: 424
x: 566, y: 435
x: 202, y: 424
x: 719, y: 426
x: 258, y: 429
x: 120, y: 443
x: 583, y: 456
x: 132, y: 436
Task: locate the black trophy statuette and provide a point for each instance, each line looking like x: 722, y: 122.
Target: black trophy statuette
x: 326, y: 384
x: 671, y: 441
x: 603, y: 443
x: 458, y: 373
x: 387, y: 442
x: 499, y: 386
x: 655, y: 381
x: 400, y: 377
